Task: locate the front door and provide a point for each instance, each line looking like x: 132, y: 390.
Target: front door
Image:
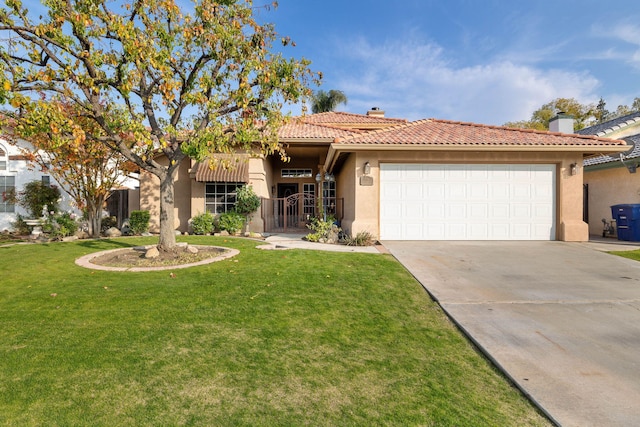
x: 286, y: 190
x: 287, y: 209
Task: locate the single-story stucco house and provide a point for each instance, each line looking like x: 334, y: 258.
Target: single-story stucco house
x: 399, y: 180
x: 611, y: 179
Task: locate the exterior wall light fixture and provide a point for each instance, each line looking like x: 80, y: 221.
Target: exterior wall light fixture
x: 366, y: 170
x: 573, y: 169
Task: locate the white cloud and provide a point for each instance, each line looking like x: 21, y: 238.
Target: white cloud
x: 414, y: 79
x: 626, y: 32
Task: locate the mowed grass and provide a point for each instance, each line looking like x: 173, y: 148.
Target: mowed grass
x: 634, y: 255
x: 287, y: 338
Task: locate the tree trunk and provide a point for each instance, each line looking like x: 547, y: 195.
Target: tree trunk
x: 94, y: 216
x: 167, y: 241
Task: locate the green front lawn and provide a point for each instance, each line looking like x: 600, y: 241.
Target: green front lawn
x: 267, y: 338
x: 634, y: 255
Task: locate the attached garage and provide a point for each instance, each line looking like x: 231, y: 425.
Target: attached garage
x: 467, y: 202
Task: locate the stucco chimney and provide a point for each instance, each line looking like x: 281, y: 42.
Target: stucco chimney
x: 562, y: 122
x: 375, y: 112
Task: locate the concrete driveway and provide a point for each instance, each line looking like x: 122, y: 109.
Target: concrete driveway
x: 562, y: 320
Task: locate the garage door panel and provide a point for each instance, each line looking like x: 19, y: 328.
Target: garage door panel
x: 413, y: 191
x: 456, y: 211
x: 478, y: 190
x: 479, y: 211
x: 456, y: 231
x: 437, y: 172
x: 391, y: 210
x: 467, y: 202
x: 521, y: 231
x: 434, y: 191
x: 414, y: 212
x: 521, y: 191
x: 499, y: 190
x: 456, y: 191
x: 499, y: 231
x: 500, y: 211
x: 437, y: 230
x: 436, y: 211
x: 478, y: 172
x: 478, y: 231
x: 391, y: 191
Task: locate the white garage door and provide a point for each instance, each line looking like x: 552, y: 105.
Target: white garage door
x: 467, y: 202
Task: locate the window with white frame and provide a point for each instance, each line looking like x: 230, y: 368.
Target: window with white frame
x: 220, y: 197
x: 7, y: 186
x: 329, y: 197
x: 4, y: 160
x: 309, y: 191
x: 295, y: 173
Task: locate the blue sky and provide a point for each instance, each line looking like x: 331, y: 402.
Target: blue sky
x: 485, y: 61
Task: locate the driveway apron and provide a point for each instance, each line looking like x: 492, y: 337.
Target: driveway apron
x: 562, y: 320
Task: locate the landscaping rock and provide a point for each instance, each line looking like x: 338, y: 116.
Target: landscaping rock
x: 152, y: 253
x: 334, y: 235
x: 81, y: 234
x: 113, y: 232
x: 192, y: 249
x: 223, y: 233
x: 70, y: 238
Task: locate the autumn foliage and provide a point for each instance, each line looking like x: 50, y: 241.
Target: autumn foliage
x: 152, y: 79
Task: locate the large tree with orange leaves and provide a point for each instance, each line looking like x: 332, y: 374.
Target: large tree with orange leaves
x: 153, y: 78
x: 87, y: 169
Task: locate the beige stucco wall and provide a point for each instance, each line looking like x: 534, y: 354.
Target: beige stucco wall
x: 346, y: 182
x: 259, y: 171
x: 150, y: 197
x: 364, y: 214
x: 609, y: 187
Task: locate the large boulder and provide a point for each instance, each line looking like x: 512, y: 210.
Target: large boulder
x: 152, y: 252
x: 113, y: 232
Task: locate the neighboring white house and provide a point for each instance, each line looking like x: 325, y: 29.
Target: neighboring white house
x: 14, y: 174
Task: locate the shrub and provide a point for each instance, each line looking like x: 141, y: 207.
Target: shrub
x: 60, y: 225
x: 36, y: 196
x: 108, y: 222
x: 247, y: 201
x: 20, y: 226
x: 203, y: 223
x: 362, y: 238
x: 231, y: 222
x: 139, y: 221
x: 321, y: 229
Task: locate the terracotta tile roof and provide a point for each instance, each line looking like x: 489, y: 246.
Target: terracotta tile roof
x: 433, y: 132
x: 333, y: 125
x: 297, y: 129
x: 336, y: 117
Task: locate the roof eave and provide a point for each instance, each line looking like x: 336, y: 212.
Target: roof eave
x: 336, y: 148
x: 459, y: 147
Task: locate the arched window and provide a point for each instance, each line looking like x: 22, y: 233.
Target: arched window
x: 7, y: 183
x: 4, y: 159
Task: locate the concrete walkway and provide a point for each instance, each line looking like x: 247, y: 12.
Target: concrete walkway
x: 562, y: 320
x: 295, y: 241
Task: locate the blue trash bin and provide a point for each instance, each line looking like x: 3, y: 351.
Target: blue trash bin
x: 627, y: 218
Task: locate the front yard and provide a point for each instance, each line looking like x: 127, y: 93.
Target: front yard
x: 265, y: 338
